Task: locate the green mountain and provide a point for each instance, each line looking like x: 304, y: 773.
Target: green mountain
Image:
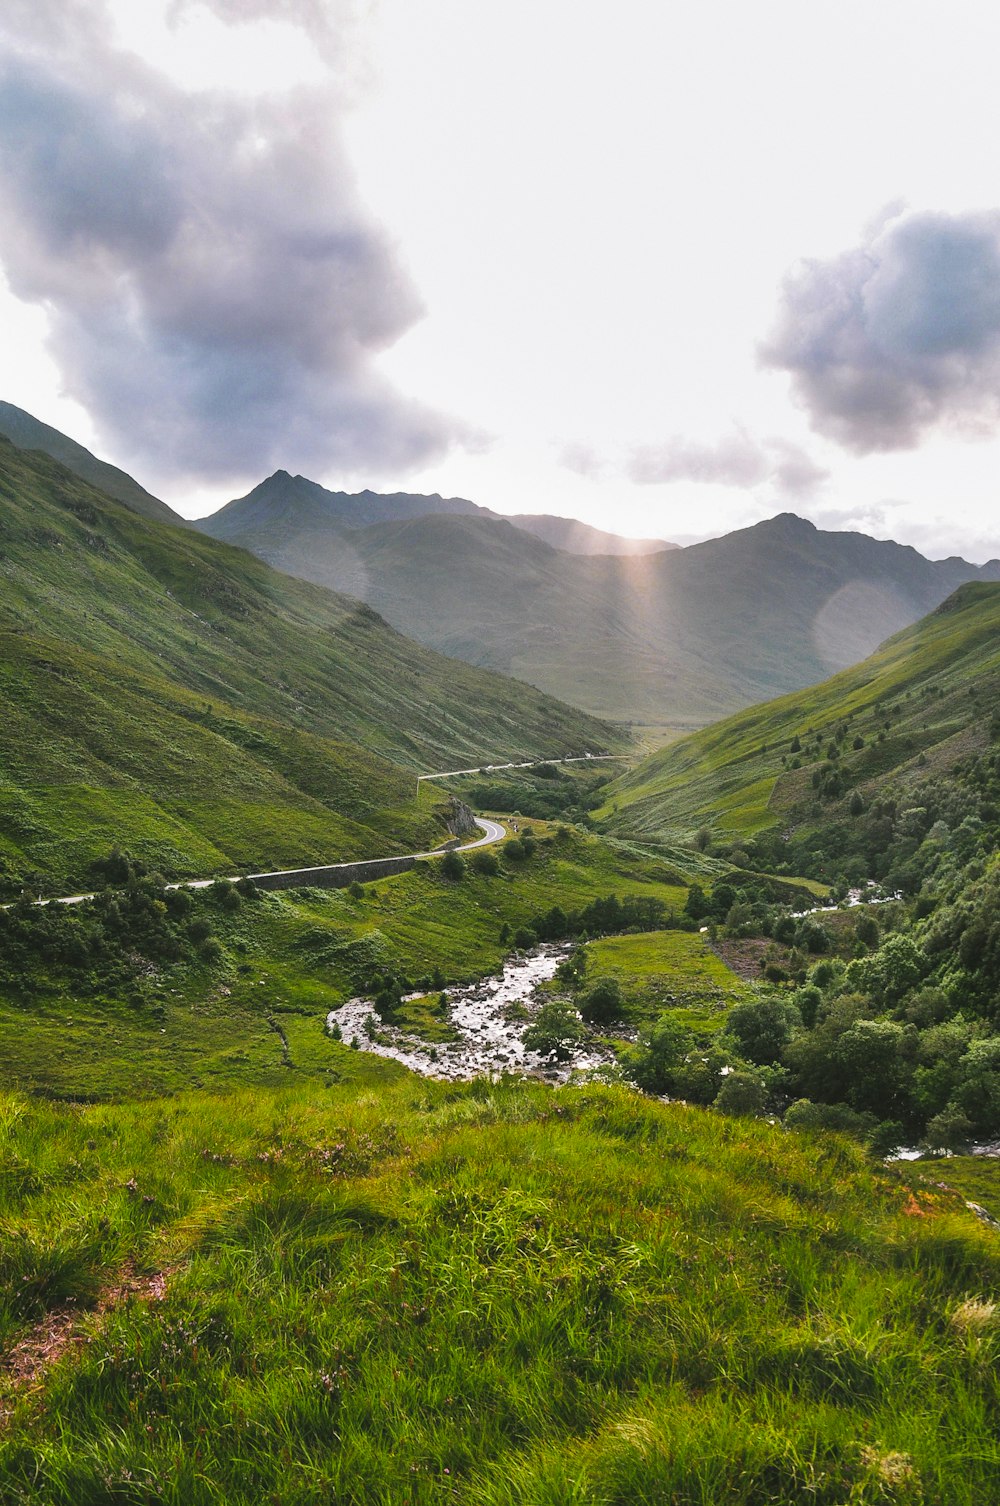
x: 177, y: 696
x: 676, y: 638
x: 30, y: 433
x: 802, y: 764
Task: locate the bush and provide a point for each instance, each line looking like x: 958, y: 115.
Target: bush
x: 742, y: 1093
x: 453, y: 866
x: 486, y: 863
x: 602, y: 1001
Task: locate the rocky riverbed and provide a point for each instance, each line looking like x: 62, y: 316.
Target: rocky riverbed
x: 489, y: 1018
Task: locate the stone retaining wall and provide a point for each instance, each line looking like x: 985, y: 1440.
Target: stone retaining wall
x: 335, y: 876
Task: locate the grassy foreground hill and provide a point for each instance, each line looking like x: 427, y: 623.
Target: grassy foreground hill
x: 496, y: 1294
x: 919, y: 706
x: 174, y: 695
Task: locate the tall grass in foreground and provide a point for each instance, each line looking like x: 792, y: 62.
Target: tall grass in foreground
x: 488, y: 1294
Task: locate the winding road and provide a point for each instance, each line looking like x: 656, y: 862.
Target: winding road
x: 494, y: 768
x: 492, y: 832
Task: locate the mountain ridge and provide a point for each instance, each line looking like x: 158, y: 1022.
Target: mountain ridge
x: 676, y: 637
x: 29, y: 433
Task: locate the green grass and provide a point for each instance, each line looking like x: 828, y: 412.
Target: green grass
x: 501, y: 1294
x: 671, y: 972
x: 928, y: 692
x: 975, y: 1177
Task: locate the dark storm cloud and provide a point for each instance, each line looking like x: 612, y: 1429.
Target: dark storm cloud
x: 733, y: 460
x: 899, y: 335
x: 216, y: 289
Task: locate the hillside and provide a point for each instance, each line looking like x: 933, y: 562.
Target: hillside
x: 676, y: 638
x: 917, y: 707
x: 177, y: 696
x: 30, y: 433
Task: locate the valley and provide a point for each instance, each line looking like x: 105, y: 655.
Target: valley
x: 551, y: 1164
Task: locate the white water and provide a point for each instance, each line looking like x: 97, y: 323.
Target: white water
x: 488, y: 1043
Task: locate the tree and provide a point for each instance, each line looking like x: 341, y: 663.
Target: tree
x: 870, y: 1054
x: 696, y: 905
x: 453, y: 866
x: 866, y: 929
x: 486, y: 863
x: 761, y: 1029
x: 555, y: 1030
x: 660, y: 1052
x: 949, y: 1130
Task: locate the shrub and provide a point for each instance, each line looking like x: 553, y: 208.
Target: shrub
x: 453, y: 866
x: 742, y: 1093
x: 602, y: 1001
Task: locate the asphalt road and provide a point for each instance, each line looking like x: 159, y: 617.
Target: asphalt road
x: 494, y: 768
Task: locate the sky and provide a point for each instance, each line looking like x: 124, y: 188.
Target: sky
x: 670, y: 269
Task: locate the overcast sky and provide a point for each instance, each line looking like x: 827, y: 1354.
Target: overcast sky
x: 667, y: 268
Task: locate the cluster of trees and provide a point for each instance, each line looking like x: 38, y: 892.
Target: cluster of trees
x: 106, y: 943
x: 547, y: 793
x: 610, y: 915
x: 486, y: 862
x: 899, y: 1042
x: 902, y: 838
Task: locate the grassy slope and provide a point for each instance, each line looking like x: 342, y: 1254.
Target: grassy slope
x: 30, y: 433
x: 500, y: 1295
x: 930, y: 690
x: 177, y: 695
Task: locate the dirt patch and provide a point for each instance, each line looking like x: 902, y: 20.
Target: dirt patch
x: 63, y: 1329
x: 742, y: 955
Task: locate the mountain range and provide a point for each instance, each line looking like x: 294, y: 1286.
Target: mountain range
x: 674, y: 638
x: 668, y: 638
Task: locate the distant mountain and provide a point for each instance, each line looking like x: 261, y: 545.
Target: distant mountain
x: 283, y: 501
x: 580, y: 538
x: 674, y: 639
x: 30, y: 433
x: 170, y: 694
